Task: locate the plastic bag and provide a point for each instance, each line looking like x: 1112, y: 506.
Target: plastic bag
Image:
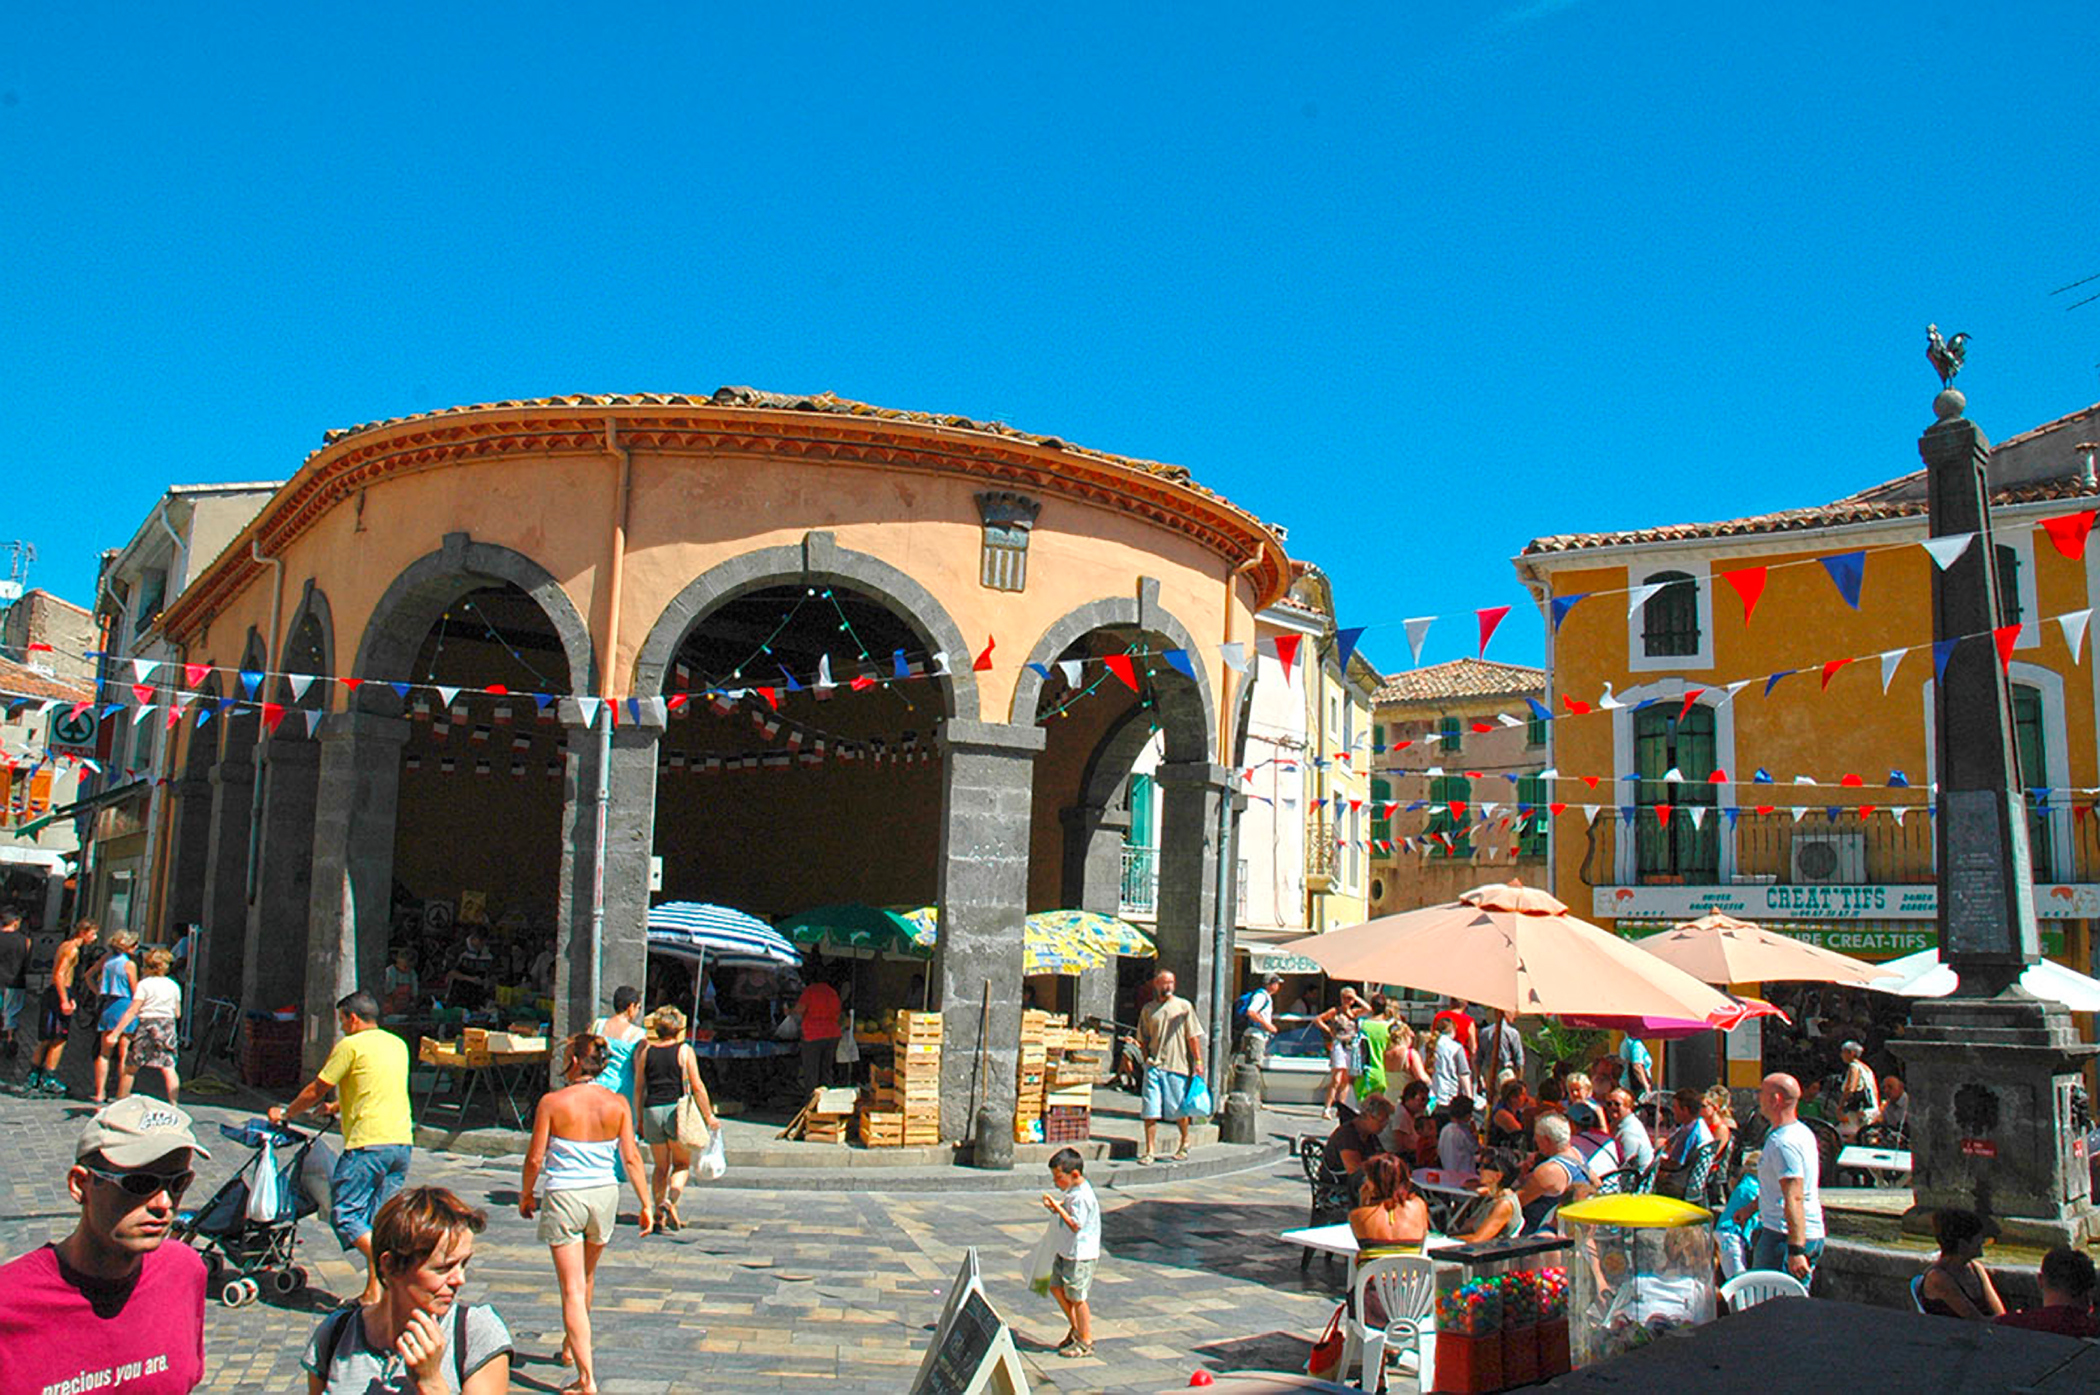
x: 1042, y: 1260
x: 788, y: 1028
x: 265, y: 1199
x: 1197, y: 1103
x: 711, y: 1164
x: 847, y: 1052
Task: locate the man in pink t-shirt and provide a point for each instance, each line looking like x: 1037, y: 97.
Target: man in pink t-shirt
x: 110, y: 1306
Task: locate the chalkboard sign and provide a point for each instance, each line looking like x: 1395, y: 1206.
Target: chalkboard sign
x: 962, y: 1352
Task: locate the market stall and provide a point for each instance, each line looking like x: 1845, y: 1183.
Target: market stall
x: 737, y: 973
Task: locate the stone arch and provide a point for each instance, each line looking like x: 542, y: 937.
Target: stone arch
x: 1110, y: 763
x: 308, y: 647
x: 818, y: 558
x: 1187, y: 723
x: 419, y: 595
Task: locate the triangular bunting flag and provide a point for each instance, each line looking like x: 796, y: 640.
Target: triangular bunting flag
x: 983, y: 661
x: 1561, y: 605
x: 1697, y: 814
x: 445, y: 694
x: 1662, y: 814
x: 1689, y: 698
x: 588, y: 706
x: 1847, y: 570
x: 1589, y: 813
x: 251, y: 679
x: 194, y: 674
x: 1941, y: 650
x: 1890, y: 659
x: 1179, y: 661
x: 143, y: 692
x: 2074, y: 623
x: 1286, y: 647
x: 2069, y: 532
x: 1773, y: 681
x: 1489, y: 619
x: 1749, y: 583
x: 1234, y: 656
x: 1041, y: 671
x: 1641, y: 595
x: 1830, y: 671
x: 1417, y: 631
x: 272, y: 714
x: 1945, y: 550
x: 2005, y: 637
x: 1344, y: 646
x: 298, y: 683
x: 142, y: 669
x: 1070, y: 669
x: 401, y: 690
x: 313, y: 720
x: 1121, y: 666
x: 898, y: 668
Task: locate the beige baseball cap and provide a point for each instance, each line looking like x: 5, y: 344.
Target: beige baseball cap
x: 136, y: 1131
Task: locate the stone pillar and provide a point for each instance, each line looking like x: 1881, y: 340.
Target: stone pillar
x: 1093, y: 881
x: 224, y: 906
x: 189, y: 853
x: 1190, y: 932
x: 588, y: 965
x: 274, y: 969
x: 357, y: 798
x: 986, y: 808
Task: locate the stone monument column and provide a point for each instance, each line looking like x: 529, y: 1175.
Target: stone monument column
x: 987, y: 805
x: 1990, y: 1068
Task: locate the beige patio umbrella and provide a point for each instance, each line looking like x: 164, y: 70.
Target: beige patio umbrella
x: 1517, y: 950
x: 1718, y: 948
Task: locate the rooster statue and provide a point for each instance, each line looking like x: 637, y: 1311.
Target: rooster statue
x: 1945, y: 355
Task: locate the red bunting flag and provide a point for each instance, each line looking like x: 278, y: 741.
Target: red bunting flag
x: 1590, y: 780
x: 1557, y: 808
x: 350, y: 683
x: 1719, y: 777
x: 861, y: 683
x: 1864, y: 810
x: 1689, y: 698
x: 1287, y: 654
x: 772, y: 697
x: 1458, y: 810
x: 143, y: 692
x: 41, y: 648
x: 1830, y: 669
x: 1749, y: 583
x: 2069, y: 532
x: 983, y: 661
x: 193, y: 674
x: 1489, y: 619
x: 676, y: 701
x: 1852, y: 782
x: 272, y: 714
x: 2005, y: 637
x: 1483, y: 726
x: 1764, y: 808
x: 496, y: 690
x: 1121, y: 666
x: 1662, y: 813
x: 78, y: 708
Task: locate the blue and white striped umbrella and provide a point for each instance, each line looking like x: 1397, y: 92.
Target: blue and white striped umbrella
x: 720, y: 935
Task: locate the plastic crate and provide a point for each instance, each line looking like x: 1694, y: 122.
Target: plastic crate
x: 1064, y: 1125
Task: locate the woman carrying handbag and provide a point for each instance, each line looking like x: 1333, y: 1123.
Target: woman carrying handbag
x: 677, y: 1114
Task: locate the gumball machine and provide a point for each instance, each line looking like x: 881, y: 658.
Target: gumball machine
x: 1500, y: 1307
x: 1640, y: 1267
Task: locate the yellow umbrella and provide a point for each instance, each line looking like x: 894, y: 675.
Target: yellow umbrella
x: 1043, y: 951
x: 1112, y: 934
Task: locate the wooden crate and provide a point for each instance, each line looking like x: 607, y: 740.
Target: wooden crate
x: 917, y: 1026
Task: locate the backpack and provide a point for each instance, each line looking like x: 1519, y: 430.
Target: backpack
x: 337, y: 1324
x: 1239, y: 1008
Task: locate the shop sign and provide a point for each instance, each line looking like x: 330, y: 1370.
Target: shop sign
x: 1772, y: 901
x: 1860, y: 941
x: 1263, y: 962
x: 1978, y: 1148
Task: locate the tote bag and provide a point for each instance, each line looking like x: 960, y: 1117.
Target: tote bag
x: 689, y: 1125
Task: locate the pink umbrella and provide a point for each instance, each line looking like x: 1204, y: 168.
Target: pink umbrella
x: 1676, y: 1028
x: 1515, y: 949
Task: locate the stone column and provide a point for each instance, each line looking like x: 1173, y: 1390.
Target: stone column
x: 357, y: 798
x: 986, y: 807
x: 1189, y: 930
x: 274, y: 969
x: 224, y: 907
x: 1093, y: 881
x: 189, y: 852
x: 588, y: 965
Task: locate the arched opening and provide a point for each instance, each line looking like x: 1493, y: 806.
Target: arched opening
x: 799, y: 768
x: 478, y: 825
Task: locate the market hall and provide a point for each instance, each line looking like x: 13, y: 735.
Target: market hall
x: 500, y: 666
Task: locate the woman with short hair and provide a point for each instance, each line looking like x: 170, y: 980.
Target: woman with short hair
x: 154, y: 1014
x: 1957, y: 1285
x: 417, y: 1336
x: 577, y: 1131
x: 1559, y: 1176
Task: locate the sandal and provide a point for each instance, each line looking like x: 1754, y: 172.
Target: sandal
x: 1144, y: 1160
x: 1181, y: 1155
x: 1076, y: 1348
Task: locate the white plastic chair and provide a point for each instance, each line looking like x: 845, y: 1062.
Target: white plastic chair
x: 1406, y: 1289
x: 1917, y: 1292
x: 1754, y: 1286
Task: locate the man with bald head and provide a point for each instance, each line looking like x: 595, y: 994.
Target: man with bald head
x: 1789, y: 1207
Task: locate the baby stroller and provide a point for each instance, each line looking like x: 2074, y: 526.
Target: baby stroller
x: 244, y: 1253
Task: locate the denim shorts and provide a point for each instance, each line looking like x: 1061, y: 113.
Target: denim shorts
x: 364, y: 1179
x: 1165, y: 1095
x: 1768, y: 1251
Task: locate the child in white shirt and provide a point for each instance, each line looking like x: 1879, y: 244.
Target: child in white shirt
x: 1077, y: 1250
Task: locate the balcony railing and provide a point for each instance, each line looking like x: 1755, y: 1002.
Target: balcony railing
x: 1815, y: 850
x: 1140, y: 881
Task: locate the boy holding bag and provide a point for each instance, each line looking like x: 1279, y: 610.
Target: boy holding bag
x: 1072, y: 1273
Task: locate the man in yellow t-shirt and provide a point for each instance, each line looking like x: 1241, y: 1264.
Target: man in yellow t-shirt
x: 368, y: 1070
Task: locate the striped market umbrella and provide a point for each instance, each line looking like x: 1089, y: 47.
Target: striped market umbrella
x: 1113, y: 935
x: 1044, y: 951
x: 718, y: 935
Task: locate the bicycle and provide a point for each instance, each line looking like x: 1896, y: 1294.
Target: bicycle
x: 222, y: 1011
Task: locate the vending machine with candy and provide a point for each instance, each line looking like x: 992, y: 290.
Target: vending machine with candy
x: 1501, y: 1313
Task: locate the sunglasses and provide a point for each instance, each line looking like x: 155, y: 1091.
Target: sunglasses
x: 145, y: 1185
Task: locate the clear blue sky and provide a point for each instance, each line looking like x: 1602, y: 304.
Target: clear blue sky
x: 1419, y: 286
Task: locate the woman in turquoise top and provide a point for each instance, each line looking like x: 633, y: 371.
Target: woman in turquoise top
x: 623, y: 1034
x: 115, y: 981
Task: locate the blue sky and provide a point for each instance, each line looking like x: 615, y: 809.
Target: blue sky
x: 1418, y: 286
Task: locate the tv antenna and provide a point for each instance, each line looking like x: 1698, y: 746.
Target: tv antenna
x: 20, y: 555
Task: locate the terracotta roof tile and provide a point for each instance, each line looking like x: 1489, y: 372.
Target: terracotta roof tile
x: 20, y: 681
x: 1460, y: 678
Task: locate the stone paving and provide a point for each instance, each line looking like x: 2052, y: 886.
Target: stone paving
x: 762, y: 1288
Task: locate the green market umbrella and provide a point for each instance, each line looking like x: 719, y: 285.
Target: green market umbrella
x: 1113, y: 935
x: 853, y: 927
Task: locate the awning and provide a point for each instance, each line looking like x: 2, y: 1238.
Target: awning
x: 114, y: 795
x: 1265, y: 961
x: 46, y: 858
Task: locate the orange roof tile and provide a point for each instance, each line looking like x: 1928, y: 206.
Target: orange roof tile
x: 21, y: 681
x: 1460, y: 678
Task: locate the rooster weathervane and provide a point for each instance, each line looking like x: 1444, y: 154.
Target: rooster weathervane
x: 1946, y: 355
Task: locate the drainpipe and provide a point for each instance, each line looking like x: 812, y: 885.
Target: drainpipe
x: 615, y: 584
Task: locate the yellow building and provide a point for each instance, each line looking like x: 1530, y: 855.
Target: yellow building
x: 1731, y: 733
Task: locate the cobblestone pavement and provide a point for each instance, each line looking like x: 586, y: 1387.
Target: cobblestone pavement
x: 770, y: 1288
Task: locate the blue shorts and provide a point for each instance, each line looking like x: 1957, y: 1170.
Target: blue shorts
x: 1165, y: 1094
x: 364, y: 1178
x: 113, y: 1010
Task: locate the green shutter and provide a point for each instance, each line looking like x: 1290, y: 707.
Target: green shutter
x: 1140, y: 835
x: 1381, y: 794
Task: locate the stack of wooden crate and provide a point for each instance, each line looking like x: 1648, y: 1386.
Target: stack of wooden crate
x: 906, y: 1104
x: 1068, y: 1085
x: 1034, y: 1066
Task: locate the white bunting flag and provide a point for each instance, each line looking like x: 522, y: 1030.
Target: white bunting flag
x: 1698, y: 813
x: 1673, y: 776
x: 589, y: 707
x: 1608, y: 703
x: 1589, y: 813
x: 1417, y: 631
x: 1799, y: 813
x: 1507, y: 720
x: 142, y: 669
x: 313, y: 717
x: 1071, y: 671
x: 1890, y: 659
x: 940, y: 661
x: 1899, y: 810
x: 1737, y: 687
x: 1234, y: 655
x: 1434, y: 772
x: 138, y: 714
x: 1551, y: 772
x: 298, y: 683
x: 1487, y: 808
x: 1641, y: 595
x: 1945, y: 550
x: 2074, y: 625
x: 445, y: 694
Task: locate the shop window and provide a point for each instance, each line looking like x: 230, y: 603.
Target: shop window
x: 1008, y: 519
x: 1661, y: 743
x: 1670, y: 618
x: 2034, y: 773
